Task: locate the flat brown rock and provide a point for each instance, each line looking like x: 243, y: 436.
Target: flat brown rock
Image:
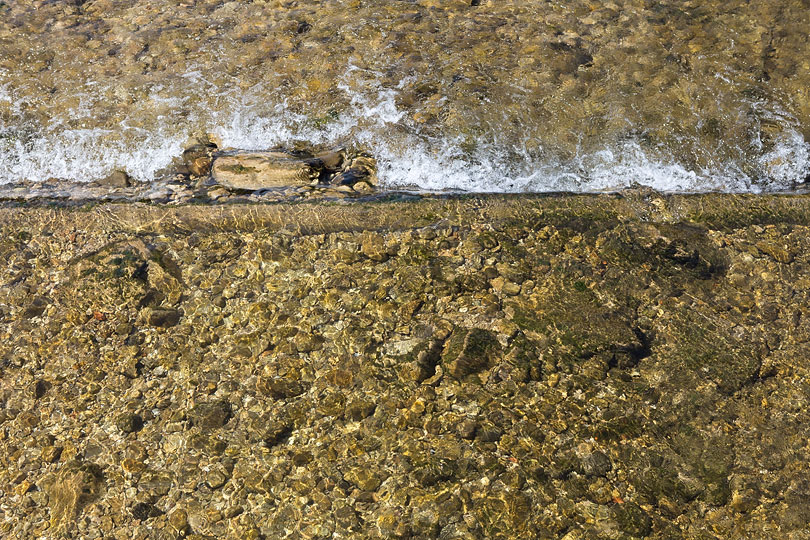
x: 262, y: 170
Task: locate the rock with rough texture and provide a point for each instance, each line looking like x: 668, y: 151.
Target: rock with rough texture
x: 360, y: 170
x: 211, y: 415
x: 198, y: 159
x: 470, y: 351
x: 119, y: 179
x: 164, y: 317
x: 129, y: 422
x: 75, y: 485
x: 262, y: 170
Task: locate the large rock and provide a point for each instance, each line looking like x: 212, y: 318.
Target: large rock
x: 470, y: 351
x: 261, y: 170
x: 211, y: 415
x: 69, y: 490
x: 116, y: 179
x: 356, y: 171
x: 198, y: 159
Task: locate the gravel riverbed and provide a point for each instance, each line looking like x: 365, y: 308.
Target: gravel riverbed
x: 579, y: 367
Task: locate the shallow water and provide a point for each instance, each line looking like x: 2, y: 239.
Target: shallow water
x: 507, y: 96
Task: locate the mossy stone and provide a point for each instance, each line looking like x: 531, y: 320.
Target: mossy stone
x: 470, y: 351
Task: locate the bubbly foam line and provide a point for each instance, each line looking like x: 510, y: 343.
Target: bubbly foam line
x: 407, y: 161
x: 789, y: 159
x: 78, y: 155
x: 407, y: 158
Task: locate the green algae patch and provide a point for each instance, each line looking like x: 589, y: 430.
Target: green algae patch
x: 239, y: 169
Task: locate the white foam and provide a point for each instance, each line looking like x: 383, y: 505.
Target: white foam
x: 789, y: 160
x: 407, y: 157
x: 82, y: 155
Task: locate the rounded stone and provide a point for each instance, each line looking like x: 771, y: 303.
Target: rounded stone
x: 129, y: 422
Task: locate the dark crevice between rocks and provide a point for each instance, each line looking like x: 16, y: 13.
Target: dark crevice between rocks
x: 430, y: 359
x: 143, y: 511
x: 763, y: 375
x: 279, y: 436
x: 628, y: 356
x: 141, y: 273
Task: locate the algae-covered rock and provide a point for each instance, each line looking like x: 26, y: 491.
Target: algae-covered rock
x: 632, y: 519
x: 164, y: 317
x: 210, y: 415
x: 129, y: 422
x: 596, y: 464
x: 469, y: 351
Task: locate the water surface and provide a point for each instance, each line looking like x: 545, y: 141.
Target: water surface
x: 501, y: 96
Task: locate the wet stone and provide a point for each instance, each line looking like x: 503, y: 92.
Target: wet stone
x: 119, y: 179
x: 632, y: 519
x: 157, y: 483
x: 129, y: 422
x: 596, y: 464
x: 262, y: 170
x: 359, y: 409
x: 198, y: 159
x: 36, y: 307
x: 216, y: 479
x: 470, y: 351
x: 466, y: 428
x: 280, y: 388
x: 133, y: 466
x: 213, y: 415
x: 778, y: 252
x: 51, y: 454
x: 75, y: 485
x: 164, y: 317
x: 364, y: 478
x: 143, y: 511
x: 178, y: 519
x: 435, y: 470
x: 488, y: 432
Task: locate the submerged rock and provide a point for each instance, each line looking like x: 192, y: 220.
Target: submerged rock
x: 470, y: 351
x: 213, y: 415
x: 129, y: 422
x: 75, y: 485
x: 164, y: 317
